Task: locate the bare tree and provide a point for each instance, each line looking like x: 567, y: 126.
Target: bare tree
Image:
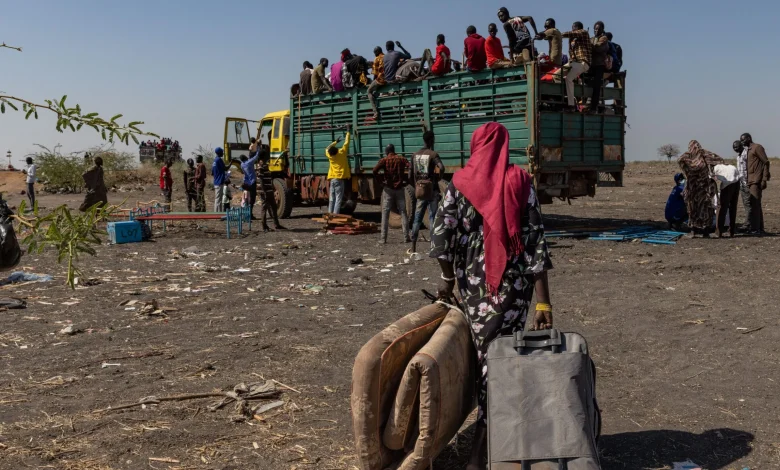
x: 669, y: 151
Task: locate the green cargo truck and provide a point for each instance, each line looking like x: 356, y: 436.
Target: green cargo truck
x: 568, y: 154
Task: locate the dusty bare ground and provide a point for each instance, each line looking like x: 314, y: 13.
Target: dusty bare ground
x: 684, y: 370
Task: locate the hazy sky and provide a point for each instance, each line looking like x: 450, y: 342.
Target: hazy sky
x: 698, y: 69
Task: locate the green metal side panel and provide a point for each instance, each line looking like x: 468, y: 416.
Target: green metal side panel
x: 407, y: 110
x: 582, y: 138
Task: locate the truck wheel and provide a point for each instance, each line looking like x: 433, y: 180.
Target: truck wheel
x: 284, y: 198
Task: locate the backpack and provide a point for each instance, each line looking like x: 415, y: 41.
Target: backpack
x: 617, y: 58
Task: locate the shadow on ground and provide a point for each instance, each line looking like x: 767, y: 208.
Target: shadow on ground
x: 713, y: 450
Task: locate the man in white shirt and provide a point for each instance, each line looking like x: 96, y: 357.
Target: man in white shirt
x: 729, y: 178
x: 30, y: 172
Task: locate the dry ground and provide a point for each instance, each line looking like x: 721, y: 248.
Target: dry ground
x: 685, y: 338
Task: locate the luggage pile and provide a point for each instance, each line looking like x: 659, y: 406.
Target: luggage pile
x: 338, y: 224
x: 413, y: 387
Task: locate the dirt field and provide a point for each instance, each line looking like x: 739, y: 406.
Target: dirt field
x: 685, y: 339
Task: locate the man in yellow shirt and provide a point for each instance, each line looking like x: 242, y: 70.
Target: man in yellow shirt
x: 339, y: 173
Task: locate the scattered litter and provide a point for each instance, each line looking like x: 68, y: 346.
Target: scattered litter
x: 687, y: 465
x: 12, y: 304
x: 242, y: 270
x: 195, y: 252
x: 163, y: 460
x: 277, y: 299
x: 426, y: 279
x: 87, y: 282
x: 20, y: 276
x: 147, y: 308
x: 70, y: 330
x: 349, y: 270
x: 268, y: 407
x: 752, y: 330
x: 312, y: 289
x: 359, y: 325
x: 335, y: 224
x: 336, y: 251
x: 356, y: 261
x: 108, y: 364
x: 384, y: 271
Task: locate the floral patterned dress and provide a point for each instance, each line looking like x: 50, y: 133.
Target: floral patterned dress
x: 458, y: 238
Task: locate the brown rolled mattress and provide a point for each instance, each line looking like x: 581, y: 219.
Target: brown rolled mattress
x: 412, y: 388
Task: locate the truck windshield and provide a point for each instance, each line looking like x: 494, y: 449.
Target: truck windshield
x: 265, y: 128
x: 237, y: 131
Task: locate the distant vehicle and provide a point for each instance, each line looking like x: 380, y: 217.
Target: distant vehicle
x: 152, y: 155
x: 568, y: 154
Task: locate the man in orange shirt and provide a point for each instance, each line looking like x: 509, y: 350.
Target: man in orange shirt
x: 495, y: 51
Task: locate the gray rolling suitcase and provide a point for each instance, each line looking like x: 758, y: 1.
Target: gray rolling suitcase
x: 542, y: 412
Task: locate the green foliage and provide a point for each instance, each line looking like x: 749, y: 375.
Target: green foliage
x: 70, y: 235
x: 60, y: 172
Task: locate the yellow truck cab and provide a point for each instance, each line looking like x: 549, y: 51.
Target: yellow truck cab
x: 273, y: 130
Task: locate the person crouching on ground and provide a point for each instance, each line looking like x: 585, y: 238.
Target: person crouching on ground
x: 489, y: 238
x: 700, y: 189
x: 676, y: 213
x: 394, y: 169
x: 728, y: 176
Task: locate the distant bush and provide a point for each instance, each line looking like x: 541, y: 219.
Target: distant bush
x: 58, y: 172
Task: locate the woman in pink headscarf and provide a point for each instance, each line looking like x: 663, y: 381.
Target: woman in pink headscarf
x: 489, y: 237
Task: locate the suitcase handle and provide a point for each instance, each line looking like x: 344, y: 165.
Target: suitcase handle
x: 538, y: 339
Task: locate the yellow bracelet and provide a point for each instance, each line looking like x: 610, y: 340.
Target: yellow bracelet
x: 541, y: 307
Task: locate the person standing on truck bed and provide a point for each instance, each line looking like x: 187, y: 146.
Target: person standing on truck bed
x: 494, y: 51
x: 379, y: 79
x: 338, y: 173
x: 200, y: 185
x: 553, y: 36
x: 441, y: 65
x: 474, y: 50
x: 395, y: 171
x: 320, y: 84
x: 426, y: 185
x: 598, y: 66
x: 218, y: 171
x: 393, y: 59
x: 579, y: 60
x: 305, y: 82
x: 520, y: 44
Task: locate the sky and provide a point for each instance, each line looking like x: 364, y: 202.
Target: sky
x: 697, y: 69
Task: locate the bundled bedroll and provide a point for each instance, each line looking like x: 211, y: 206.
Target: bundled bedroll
x: 412, y: 389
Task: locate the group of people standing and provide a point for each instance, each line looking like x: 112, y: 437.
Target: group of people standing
x: 710, y: 189
x: 593, y: 58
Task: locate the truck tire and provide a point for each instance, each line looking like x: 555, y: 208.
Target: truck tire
x: 284, y: 198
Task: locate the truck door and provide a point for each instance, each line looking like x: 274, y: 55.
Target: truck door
x: 236, y: 139
x: 278, y: 144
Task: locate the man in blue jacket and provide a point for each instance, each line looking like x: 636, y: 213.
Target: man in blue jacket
x: 218, y: 171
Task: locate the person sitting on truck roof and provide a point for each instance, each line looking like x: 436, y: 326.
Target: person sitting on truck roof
x: 305, y: 81
x: 395, y: 173
x: 474, y: 50
x: 495, y: 51
x: 338, y: 173
x: 335, y: 73
x: 520, y: 44
x: 442, y: 64
x: 579, y: 60
x: 319, y: 83
x: 393, y: 59
x: 356, y: 66
x: 552, y: 35
x: 379, y: 79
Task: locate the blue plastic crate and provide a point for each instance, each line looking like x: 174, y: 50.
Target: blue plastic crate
x: 125, y: 232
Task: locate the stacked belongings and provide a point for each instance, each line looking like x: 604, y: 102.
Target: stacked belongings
x: 412, y: 389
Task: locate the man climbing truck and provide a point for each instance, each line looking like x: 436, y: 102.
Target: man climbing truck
x: 568, y: 154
